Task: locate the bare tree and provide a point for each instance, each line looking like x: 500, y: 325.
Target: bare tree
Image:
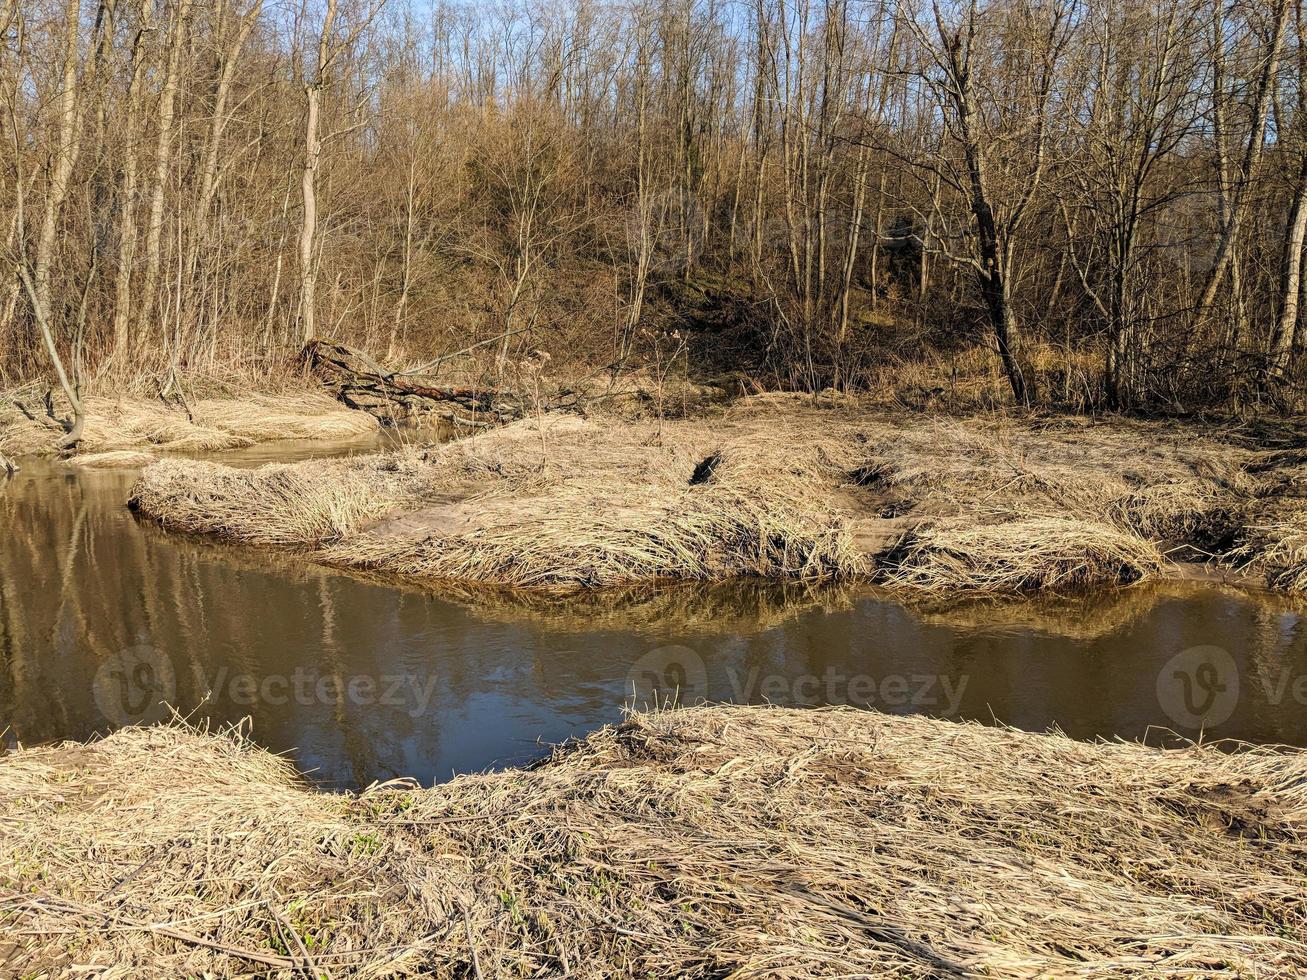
x: 809, y: 190
x: 1236, y: 185
x: 995, y: 100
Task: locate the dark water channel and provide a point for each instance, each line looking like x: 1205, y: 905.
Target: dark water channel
x: 104, y: 618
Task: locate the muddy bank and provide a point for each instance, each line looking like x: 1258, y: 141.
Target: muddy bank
x: 126, y: 431
x: 704, y: 842
x: 777, y: 487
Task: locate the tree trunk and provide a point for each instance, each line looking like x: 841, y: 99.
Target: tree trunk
x: 1282, y: 341
x: 162, y: 164
x: 309, y: 225
x: 309, y: 177
x: 1239, y: 197
x: 130, y: 177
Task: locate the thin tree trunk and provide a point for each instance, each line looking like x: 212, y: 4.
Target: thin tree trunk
x: 309, y: 179
x: 1286, y: 325
x: 1238, y: 202
x: 309, y: 224
x: 162, y: 165
x: 128, y: 191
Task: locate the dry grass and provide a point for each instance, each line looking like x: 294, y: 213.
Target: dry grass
x: 960, y: 554
x: 972, y: 379
x: 296, y: 504
x: 131, y: 423
x: 700, y: 843
x: 779, y: 486
x: 1275, y: 544
x: 113, y: 459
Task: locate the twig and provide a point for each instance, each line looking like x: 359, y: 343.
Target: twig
x: 471, y: 945
x: 52, y: 903
x: 288, y: 931
x: 422, y: 368
x: 150, y: 858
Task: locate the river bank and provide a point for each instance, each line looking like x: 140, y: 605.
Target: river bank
x: 781, y: 487
x: 130, y: 430
x: 701, y: 842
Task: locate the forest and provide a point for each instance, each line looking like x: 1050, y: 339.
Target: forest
x: 1103, y: 203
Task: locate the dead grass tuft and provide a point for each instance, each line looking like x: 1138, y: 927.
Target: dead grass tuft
x: 698, y: 843
x: 1275, y: 544
x: 581, y: 536
x: 295, y: 504
x: 113, y: 459
x: 961, y: 555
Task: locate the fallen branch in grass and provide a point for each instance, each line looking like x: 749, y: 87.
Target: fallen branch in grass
x: 361, y: 383
x: 71, y: 914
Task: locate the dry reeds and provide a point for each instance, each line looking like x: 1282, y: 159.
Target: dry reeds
x: 589, y: 537
x: 777, y: 487
x: 283, y: 504
x: 962, y: 555
x: 724, y: 841
x: 113, y: 459
x: 1275, y: 544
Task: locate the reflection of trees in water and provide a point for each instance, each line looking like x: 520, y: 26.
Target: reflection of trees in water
x: 80, y: 579
x: 741, y: 606
x: 1093, y: 615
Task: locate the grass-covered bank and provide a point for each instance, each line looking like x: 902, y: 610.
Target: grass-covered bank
x: 778, y: 486
x: 125, y: 430
x: 702, y: 843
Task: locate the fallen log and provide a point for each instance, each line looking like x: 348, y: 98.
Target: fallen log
x: 392, y: 396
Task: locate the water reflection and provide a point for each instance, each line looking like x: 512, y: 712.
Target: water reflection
x: 363, y: 680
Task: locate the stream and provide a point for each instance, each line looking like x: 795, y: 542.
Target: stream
x: 106, y: 620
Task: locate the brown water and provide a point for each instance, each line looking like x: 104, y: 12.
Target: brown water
x: 104, y: 618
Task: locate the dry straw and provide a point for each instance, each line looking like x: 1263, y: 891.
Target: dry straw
x: 776, y: 487
x: 725, y: 841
